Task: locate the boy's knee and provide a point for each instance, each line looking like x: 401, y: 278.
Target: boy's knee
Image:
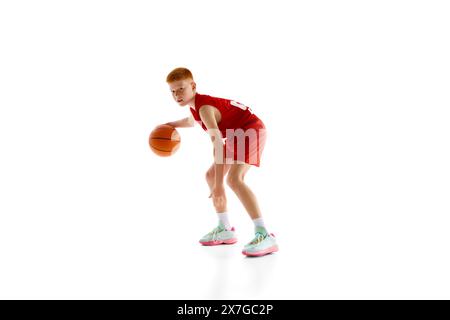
x: 210, y: 175
x: 234, y: 181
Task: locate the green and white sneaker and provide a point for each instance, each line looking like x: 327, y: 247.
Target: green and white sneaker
x: 263, y: 243
x: 219, y: 236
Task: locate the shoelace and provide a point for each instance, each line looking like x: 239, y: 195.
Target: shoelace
x: 214, y: 233
x: 259, y: 237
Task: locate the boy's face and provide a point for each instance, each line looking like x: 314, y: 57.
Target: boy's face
x: 183, y: 91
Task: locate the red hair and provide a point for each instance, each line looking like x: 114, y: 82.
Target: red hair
x: 179, y: 74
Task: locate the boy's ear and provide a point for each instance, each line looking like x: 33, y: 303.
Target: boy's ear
x: 194, y: 85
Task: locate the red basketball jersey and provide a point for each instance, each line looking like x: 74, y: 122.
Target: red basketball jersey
x: 234, y: 114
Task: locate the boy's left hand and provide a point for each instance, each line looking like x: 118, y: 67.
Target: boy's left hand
x: 218, y: 195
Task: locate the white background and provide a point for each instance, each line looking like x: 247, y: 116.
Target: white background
x: 354, y: 180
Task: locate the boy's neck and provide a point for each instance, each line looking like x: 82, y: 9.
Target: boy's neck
x: 192, y: 103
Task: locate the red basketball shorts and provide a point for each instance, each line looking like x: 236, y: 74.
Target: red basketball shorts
x: 245, y: 144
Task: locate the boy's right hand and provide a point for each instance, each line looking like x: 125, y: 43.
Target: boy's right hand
x: 182, y: 123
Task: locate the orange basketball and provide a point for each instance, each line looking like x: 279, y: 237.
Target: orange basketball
x: 164, y: 140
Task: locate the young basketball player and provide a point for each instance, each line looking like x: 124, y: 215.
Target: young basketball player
x: 244, y: 135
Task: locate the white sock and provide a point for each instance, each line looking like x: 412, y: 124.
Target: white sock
x: 223, y: 217
x: 259, y: 222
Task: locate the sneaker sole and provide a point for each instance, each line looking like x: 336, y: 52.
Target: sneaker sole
x: 219, y: 242
x: 261, y: 253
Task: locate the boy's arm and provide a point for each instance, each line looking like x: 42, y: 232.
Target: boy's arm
x: 183, y: 123
x: 208, y: 117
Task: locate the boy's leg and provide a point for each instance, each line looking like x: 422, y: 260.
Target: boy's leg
x: 223, y: 234
x: 264, y: 242
x: 235, y: 181
x: 210, y: 176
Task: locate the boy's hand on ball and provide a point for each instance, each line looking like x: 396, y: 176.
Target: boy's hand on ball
x: 218, y: 195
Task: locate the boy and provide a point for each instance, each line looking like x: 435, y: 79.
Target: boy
x: 234, y: 122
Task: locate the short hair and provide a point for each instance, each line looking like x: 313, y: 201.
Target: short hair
x: 179, y: 74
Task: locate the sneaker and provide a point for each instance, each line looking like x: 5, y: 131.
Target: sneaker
x: 219, y: 236
x: 263, y: 243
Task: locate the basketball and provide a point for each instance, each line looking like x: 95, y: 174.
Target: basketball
x: 164, y: 140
